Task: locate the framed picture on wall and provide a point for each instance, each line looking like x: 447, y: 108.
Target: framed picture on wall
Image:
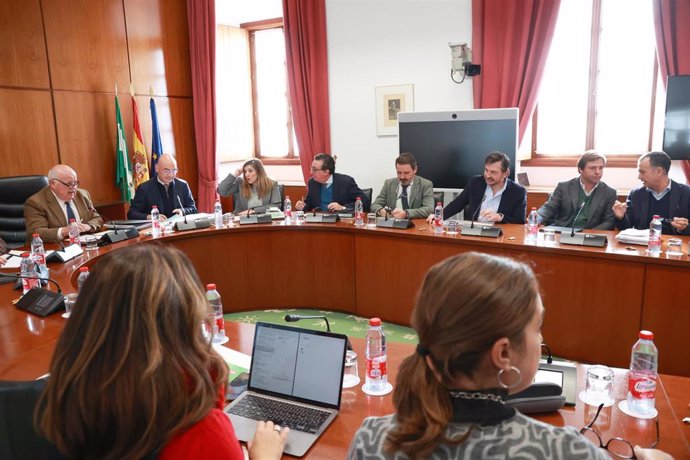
x: 389, y: 101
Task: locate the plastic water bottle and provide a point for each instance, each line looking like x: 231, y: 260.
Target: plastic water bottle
x: 377, y: 376
x: 38, y: 252
x: 532, y: 225
x: 215, y: 313
x: 81, y: 279
x: 438, y: 218
x: 155, y: 222
x: 28, y: 272
x: 73, y: 232
x: 218, y: 214
x: 287, y: 210
x: 654, y: 246
x: 359, y: 212
x: 643, y: 374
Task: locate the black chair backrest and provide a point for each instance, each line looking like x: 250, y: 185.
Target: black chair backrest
x: 281, y: 190
x: 367, y: 195
x: 439, y: 197
x: 18, y: 437
x: 13, y: 193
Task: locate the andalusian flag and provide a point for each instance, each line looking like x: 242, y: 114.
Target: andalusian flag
x: 141, y: 160
x: 156, y: 146
x: 123, y: 169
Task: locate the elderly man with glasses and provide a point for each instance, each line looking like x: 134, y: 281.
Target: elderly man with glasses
x: 49, y: 210
x: 171, y: 194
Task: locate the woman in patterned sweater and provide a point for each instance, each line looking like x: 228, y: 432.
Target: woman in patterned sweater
x: 478, y: 318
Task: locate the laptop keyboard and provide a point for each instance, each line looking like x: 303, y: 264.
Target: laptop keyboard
x: 281, y: 413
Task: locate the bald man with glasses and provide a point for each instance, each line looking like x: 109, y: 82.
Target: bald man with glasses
x: 48, y: 211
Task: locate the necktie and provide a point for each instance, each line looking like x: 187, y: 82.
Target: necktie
x: 403, y: 197
x: 70, y: 213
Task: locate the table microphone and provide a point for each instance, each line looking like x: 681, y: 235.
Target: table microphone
x: 181, y: 208
x: 476, y: 212
x: 572, y: 231
x: 37, y: 300
x: 549, y: 356
x: 387, y: 211
x: 295, y: 318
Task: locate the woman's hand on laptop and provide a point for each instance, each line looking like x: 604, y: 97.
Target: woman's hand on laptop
x: 268, y: 442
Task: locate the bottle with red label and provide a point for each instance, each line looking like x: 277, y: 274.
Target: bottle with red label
x: 215, y: 315
x: 73, y: 232
x: 642, y: 377
x: 377, y: 375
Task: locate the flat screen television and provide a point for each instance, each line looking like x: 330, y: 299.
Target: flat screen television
x: 677, y: 122
x: 450, y: 146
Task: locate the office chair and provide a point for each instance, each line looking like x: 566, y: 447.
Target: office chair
x: 367, y: 198
x: 439, y: 196
x: 18, y: 437
x: 13, y: 193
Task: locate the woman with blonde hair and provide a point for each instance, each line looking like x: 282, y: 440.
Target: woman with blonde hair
x: 132, y: 375
x: 250, y: 187
x: 478, y: 318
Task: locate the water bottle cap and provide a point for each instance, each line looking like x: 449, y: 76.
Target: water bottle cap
x: 35, y: 235
x: 210, y: 286
x: 656, y: 216
x: 84, y: 269
x: 375, y: 322
x: 438, y: 203
x: 72, y: 220
x: 25, y: 254
x: 534, y: 209
x: 359, y: 198
x: 154, y: 207
x: 647, y: 335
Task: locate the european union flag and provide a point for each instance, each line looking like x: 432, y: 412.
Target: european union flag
x: 156, y: 145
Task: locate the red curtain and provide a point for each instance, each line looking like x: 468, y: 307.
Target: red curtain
x: 671, y: 21
x: 307, y: 69
x: 511, y: 41
x: 201, y: 17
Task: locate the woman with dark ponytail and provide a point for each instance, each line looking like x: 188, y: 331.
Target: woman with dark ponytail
x: 478, y: 318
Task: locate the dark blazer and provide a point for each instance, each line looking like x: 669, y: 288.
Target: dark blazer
x: 564, y: 203
x: 638, y: 215
x: 153, y: 192
x: 44, y: 215
x: 513, y: 201
x: 345, y: 192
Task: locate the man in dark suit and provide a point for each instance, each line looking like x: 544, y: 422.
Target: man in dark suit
x: 583, y: 202
x: 659, y: 195
x: 48, y: 211
x: 408, y: 195
x: 328, y: 190
x: 491, y: 197
x: 170, y: 194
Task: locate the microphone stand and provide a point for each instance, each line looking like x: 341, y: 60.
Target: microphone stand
x: 295, y: 318
x: 39, y: 301
x: 481, y: 230
x: 583, y: 239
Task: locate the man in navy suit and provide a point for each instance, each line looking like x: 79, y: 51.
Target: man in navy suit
x: 170, y: 194
x: 328, y: 190
x: 659, y: 195
x: 491, y: 197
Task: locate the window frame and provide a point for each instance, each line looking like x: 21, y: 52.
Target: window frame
x: 290, y: 158
x: 613, y: 160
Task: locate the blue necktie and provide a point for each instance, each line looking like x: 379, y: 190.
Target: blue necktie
x: 70, y: 213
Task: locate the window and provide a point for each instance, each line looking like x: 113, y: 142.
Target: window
x: 600, y: 88
x: 273, y: 131
x: 254, y: 116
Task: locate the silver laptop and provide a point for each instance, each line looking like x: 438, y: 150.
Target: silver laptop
x: 295, y: 380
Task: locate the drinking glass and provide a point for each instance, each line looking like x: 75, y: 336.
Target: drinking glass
x: 674, y: 248
x: 371, y: 219
x: 351, y: 376
x: 70, y: 300
x: 599, y: 386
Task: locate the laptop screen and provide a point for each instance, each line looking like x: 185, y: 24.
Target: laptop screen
x: 298, y: 364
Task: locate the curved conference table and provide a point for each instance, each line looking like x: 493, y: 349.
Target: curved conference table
x: 596, y: 299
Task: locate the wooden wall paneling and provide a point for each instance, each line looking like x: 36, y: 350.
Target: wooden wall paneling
x: 176, y: 124
x: 536, y: 199
x: 27, y: 132
x: 87, y: 134
x: 23, y: 60
x: 666, y: 313
x: 87, y: 47
x: 295, y: 192
x: 158, y: 41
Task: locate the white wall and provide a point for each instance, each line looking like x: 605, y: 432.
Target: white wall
x: 388, y: 42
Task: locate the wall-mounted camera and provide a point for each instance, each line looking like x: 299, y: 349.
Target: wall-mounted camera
x: 461, y: 62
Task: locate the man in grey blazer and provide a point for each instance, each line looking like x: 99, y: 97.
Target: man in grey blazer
x: 408, y: 195
x: 585, y: 201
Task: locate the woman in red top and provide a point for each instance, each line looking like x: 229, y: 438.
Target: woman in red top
x: 133, y: 377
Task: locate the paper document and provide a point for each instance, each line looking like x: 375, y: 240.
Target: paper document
x: 12, y: 262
